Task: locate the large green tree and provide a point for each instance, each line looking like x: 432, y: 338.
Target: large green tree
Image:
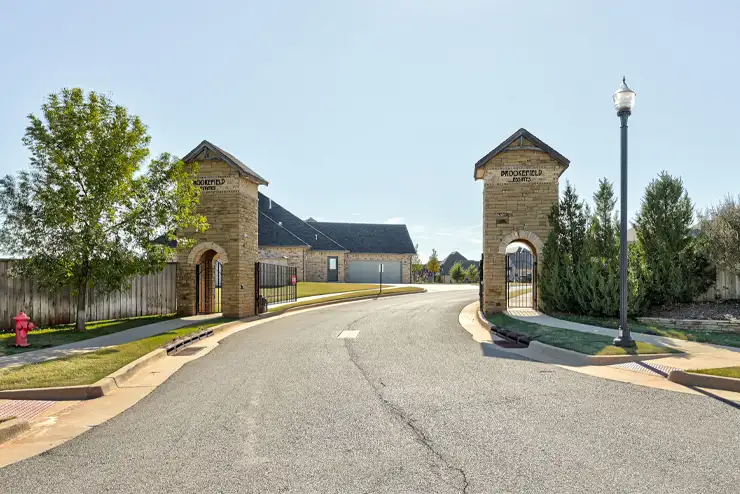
x: 599, y: 270
x: 580, y: 272
x: 678, y: 271
x: 457, y: 273
x: 604, y: 225
x: 560, y: 283
x: 416, y: 265
x: 88, y: 210
x: 720, y: 228
x: 433, y: 264
x: 472, y: 274
x: 575, y: 215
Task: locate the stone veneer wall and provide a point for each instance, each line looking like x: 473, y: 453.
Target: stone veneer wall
x: 707, y: 325
x: 231, y: 212
x: 404, y: 258
x: 295, y: 257
x: 317, y: 265
x: 512, y: 211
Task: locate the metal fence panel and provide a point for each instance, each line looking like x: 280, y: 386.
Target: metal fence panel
x: 275, y: 283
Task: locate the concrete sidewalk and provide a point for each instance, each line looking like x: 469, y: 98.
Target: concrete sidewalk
x: 696, y: 355
x: 627, y: 373
x: 93, y: 344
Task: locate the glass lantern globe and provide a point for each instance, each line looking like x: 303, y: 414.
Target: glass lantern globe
x: 624, y: 98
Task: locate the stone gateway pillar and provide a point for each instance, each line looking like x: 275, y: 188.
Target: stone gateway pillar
x: 217, y: 274
x: 521, y: 178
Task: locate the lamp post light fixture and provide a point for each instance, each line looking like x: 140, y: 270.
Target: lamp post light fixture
x: 624, y: 101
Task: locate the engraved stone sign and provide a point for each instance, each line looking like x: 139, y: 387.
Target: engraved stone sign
x: 217, y: 184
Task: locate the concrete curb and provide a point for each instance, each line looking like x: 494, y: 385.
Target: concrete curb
x: 501, y: 332
x: 583, y: 359
x: 570, y: 357
x: 704, y: 381
x: 62, y: 393
x: 100, y: 388
x: 11, y: 428
x: 89, y: 391
x: 132, y: 368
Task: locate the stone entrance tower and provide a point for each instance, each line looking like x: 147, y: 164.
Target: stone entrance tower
x: 520, y: 187
x: 228, y: 200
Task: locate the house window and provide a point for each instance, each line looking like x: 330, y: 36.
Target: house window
x: 332, y: 263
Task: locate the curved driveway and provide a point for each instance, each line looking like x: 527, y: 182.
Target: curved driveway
x: 412, y: 404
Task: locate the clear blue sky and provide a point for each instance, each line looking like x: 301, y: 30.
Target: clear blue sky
x: 376, y: 110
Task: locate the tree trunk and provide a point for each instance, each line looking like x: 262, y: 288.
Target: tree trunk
x: 81, y: 306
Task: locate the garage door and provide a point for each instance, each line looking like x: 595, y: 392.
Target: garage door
x: 367, y: 271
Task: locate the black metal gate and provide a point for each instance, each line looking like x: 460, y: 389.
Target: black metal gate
x: 208, y: 284
x: 274, y: 284
x: 521, y: 279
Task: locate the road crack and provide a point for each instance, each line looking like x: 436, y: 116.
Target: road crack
x: 419, y: 433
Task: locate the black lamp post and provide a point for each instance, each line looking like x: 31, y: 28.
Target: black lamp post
x: 624, y: 100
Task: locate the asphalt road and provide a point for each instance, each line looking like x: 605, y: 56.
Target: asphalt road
x: 412, y: 404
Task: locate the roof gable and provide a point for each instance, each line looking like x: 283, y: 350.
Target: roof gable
x: 370, y: 237
x: 280, y: 227
x: 210, y: 151
x: 450, y: 261
x: 520, y: 140
x: 270, y: 233
x: 272, y: 212
x: 522, y: 258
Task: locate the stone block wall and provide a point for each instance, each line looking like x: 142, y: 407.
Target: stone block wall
x: 317, y: 265
x: 288, y: 256
x: 515, y: 207
x: 243, y: 289
x: 185, y: 286
x: 705, y: 325
x: 231, y: 211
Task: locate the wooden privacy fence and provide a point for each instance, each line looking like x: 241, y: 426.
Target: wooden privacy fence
x: 726, y: 287
x: 148, y: 295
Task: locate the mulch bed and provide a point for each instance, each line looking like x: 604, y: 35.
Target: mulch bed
x: 722, y: 310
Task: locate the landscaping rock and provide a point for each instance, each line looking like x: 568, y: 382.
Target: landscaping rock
x: 722, y: 310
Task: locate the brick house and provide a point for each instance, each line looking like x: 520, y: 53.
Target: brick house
x: 453, y: 258
x: 330, y: 252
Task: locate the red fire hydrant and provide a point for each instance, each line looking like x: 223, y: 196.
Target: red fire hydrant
x: 23, y: 325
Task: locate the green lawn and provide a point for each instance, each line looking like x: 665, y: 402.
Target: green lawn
x: 374, y: 291
x: 90, y: 367
x: 722, y: 371
x: 590, y: 344
x: 518, y: 292
x: 308, y: 289
x: 726, y: 339
x: 60, y: 335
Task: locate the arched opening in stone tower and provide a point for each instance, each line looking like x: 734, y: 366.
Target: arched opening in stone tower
x: 208, y: 283
x: 521, y: 275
